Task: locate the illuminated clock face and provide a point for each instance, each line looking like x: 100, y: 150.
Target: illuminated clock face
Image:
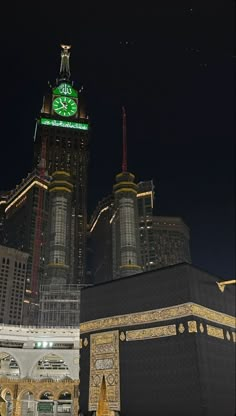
x: 64, y: 106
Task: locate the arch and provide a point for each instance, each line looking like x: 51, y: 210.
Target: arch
x: 27, y: 402
x: 46, y: 395
x: 10, y: 365
x: 23, y: 392
x: 5, y: 390
x: 50, y: 364
x: 65, y: 395
x: 9, y: 400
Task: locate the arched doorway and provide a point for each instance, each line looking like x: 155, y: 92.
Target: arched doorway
x: 28, y: 406
x: 9, y: 402
x: 51, y: 366
x: 46, y: 404
x: 9, y: 366
x: 3, y: 406
x: 64, y: 404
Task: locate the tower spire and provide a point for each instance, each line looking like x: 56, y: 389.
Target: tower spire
x: 124, y: 161
x: 65, y: 62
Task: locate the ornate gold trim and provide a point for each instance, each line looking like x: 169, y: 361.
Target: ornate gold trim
x: 158, y: 315
x: 215, y: 332
x: 147, y: 333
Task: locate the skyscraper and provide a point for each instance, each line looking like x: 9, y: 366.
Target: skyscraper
x: 125, y: 233
x: 21, y: 226
x: 13, y: 267
x: 59, y: 298
x: 61, y: 144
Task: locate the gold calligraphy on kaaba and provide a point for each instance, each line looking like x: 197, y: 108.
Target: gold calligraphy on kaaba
x: 104, y: 370
x: 158, y: 315
x: 215, y: 332
x: 147, y: 333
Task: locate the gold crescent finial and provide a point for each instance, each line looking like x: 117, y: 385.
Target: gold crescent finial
x: 66, y: 47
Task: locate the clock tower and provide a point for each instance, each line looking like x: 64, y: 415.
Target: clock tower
x: 61, y: 145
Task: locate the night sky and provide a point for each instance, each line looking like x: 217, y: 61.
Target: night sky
x: 171, y: 66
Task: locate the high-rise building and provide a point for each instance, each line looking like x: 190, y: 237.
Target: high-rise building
x: 61, y: 143
x: 58, y: 245
x: 164, y: 241
x: 171, y: 241
x: 145, y: 198
x: 13, y: 271
x: 113, y: 228
x: 59, y: 297
x: 21, y: 232
x: 125, y: 232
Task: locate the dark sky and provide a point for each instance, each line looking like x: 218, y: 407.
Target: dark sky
x: 171, y: 65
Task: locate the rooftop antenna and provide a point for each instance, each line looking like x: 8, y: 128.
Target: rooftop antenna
x: 124, y: 161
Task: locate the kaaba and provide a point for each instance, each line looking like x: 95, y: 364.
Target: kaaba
x: 158, y: 343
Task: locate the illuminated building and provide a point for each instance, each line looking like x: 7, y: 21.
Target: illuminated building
x: 59, y: 300
x: 61, y: 140
x: 145, y: 197
x: 125, y: 233
x: 21, y: 212
x: 59, y: 225
x: 13, y: 271
x: 164, y: 240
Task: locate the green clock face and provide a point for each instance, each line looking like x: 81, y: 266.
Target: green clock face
x: 64, y: 106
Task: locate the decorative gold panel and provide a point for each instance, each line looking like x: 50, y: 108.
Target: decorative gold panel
x: 181, y: 328
x: 234, y: 336
x: 104, y: 368
x: 215, y: 332
x: 192, y: 326
x: 147, y: 333
x: 201, y: 327
x: 158, y: 315
x: 122, y: 336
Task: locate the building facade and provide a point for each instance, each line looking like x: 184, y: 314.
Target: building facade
x: 145, y: 198
x: 39, y: 370
x: 13, y: 272
x: 171, y: 241
x: 125, y: 234
x: 59, y: 298
x: 163, y: 241
x: 26, y: 217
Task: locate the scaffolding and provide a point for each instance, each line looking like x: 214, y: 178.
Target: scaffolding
x: 59, y: 305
